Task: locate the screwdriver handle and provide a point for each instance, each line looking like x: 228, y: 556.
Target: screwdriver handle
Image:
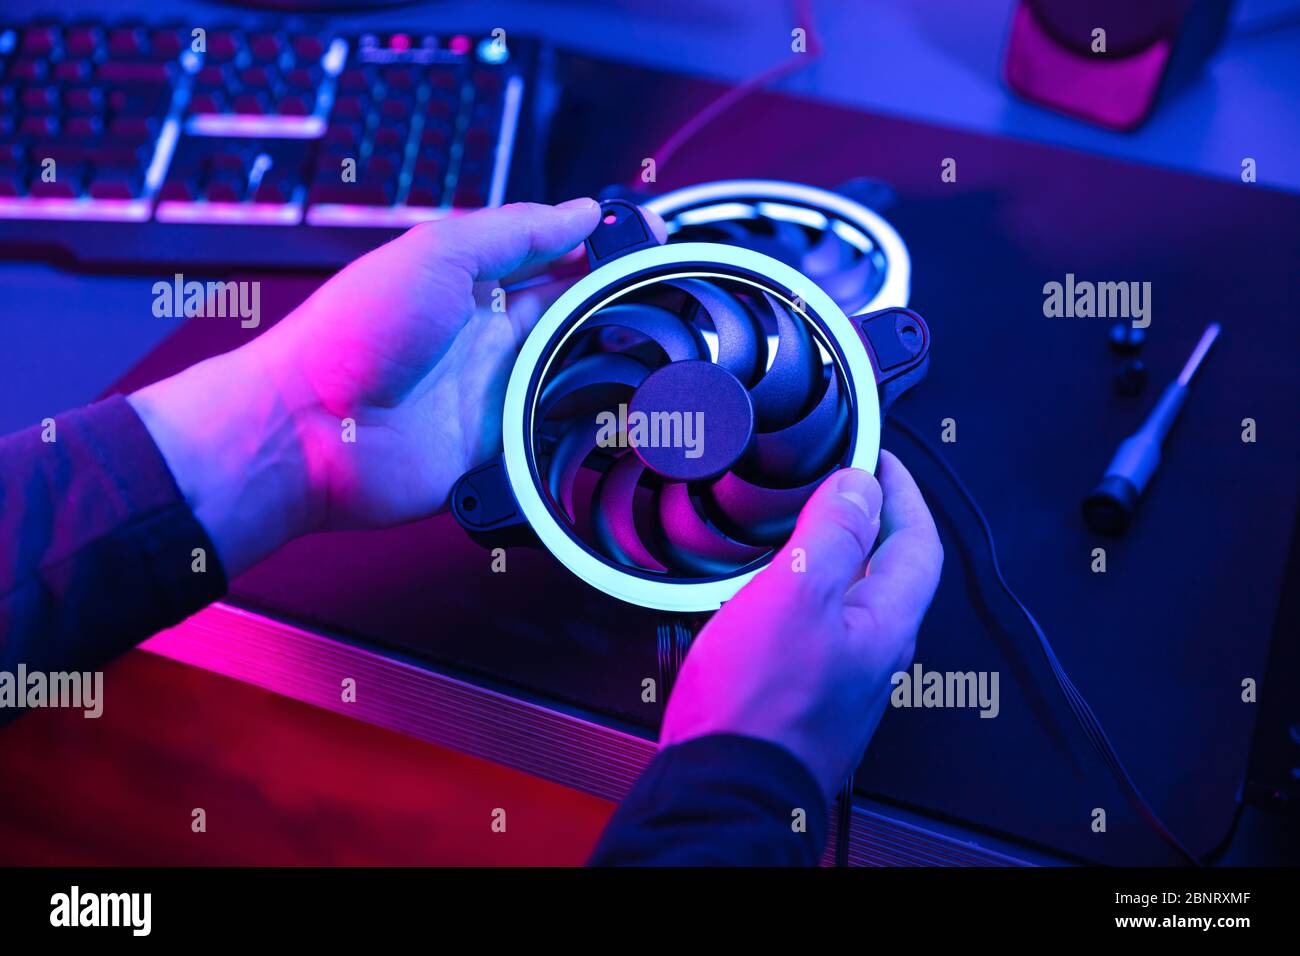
x: 1138, y: 455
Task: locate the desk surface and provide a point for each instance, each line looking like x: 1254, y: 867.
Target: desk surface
x: 281, y: 783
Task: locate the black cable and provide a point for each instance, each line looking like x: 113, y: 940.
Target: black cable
x: 1083, y: 713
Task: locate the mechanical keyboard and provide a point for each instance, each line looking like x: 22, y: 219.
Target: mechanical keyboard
x: 127, y: 142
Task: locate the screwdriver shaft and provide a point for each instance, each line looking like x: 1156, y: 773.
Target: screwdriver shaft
x: 1198, y: 354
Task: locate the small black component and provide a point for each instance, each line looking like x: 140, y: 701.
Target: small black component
x: 1125, y: 339
x: 622, y: 229
x: 1110, y: 507
x: 1132, y: 378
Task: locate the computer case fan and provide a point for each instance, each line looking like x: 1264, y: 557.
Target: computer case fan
x: 671, y: 413
x: 849, y: 250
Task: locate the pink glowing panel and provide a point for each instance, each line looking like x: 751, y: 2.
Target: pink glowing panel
x: 262, y: 214
x: 332, y: 214
x: 1115, y: 92
x: 239, y: 124
x: 59, y: 207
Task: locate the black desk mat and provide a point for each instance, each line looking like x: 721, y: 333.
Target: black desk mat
x: 1160, y: 643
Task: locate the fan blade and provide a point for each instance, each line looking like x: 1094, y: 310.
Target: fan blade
x: 614, y: 515
x: 591, y: 381
x: 576, y: 443
x: 781, y: 395
x: 797, y: 454
x: 830, y: 254
x: 692, y: 542
x: 728, y: 231
x: 793, y: 239
x: 680, y: 340
x: 756, y: 514
x: 741, y: 350
x: 851, y: 287
x: 782, y: 245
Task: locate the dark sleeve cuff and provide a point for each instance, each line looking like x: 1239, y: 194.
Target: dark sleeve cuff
x: 721, y: 800
x: 98, y: 548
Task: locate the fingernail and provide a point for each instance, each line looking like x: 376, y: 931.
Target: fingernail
x: 579, y: 205
x: 856, y: 486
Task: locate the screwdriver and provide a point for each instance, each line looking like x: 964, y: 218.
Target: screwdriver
x: 1110, y: 507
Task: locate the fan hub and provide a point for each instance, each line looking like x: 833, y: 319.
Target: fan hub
x: 690, y: 420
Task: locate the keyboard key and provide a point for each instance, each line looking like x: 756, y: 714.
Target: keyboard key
x: 294, y: 105
x: 83, y: 127
x: 72, y: 71
x: 83, y: 99
x: 435, y: 138
x: 40, y: 99
x: 272, y: 192
x: 126, y: 42
x: 356, y: 80
x: 487, y: 82
x: 250, y: 104
x: 168, y: 44
x: 390, y: 137
x: 393, y: 108
x: 478, y: 141
x: 224, y: 189
x: 344, y: 134
x: 399, y: 78
x: 441, y: 109
x: 83, y: 40
x: 302, y: 78
x: 256, y: 77
x: 382, y: 167
x: 125, y: 71
x: 349, y: 108
x: 424, y: 193
x: 67, y: 186
x: 443, y: 77
x: 38, y: 126
x: 222, y: 45
x: 39, y: 40
x: 227, y: 162
x: 133, y: 128
x: 213, y: 102
x: 119, y: 154
x: 468, y: 196
x: 113, y: 184
x: 265, y: 47
x: 32, y: 71
x: 212, y: 75
x: 139, y: 100
x: 308, y: 48
x: 176, y: 190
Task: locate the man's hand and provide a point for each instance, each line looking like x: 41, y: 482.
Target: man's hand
x: 403, y: 342
x: 803, y: 655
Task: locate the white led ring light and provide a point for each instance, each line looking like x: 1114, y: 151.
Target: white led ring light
x: 896, y: 289
x: 668, y: 595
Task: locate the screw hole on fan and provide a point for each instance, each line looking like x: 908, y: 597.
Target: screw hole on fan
x: 469, y: 502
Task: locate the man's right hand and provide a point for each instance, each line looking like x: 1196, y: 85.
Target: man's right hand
x: 803, y: 655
